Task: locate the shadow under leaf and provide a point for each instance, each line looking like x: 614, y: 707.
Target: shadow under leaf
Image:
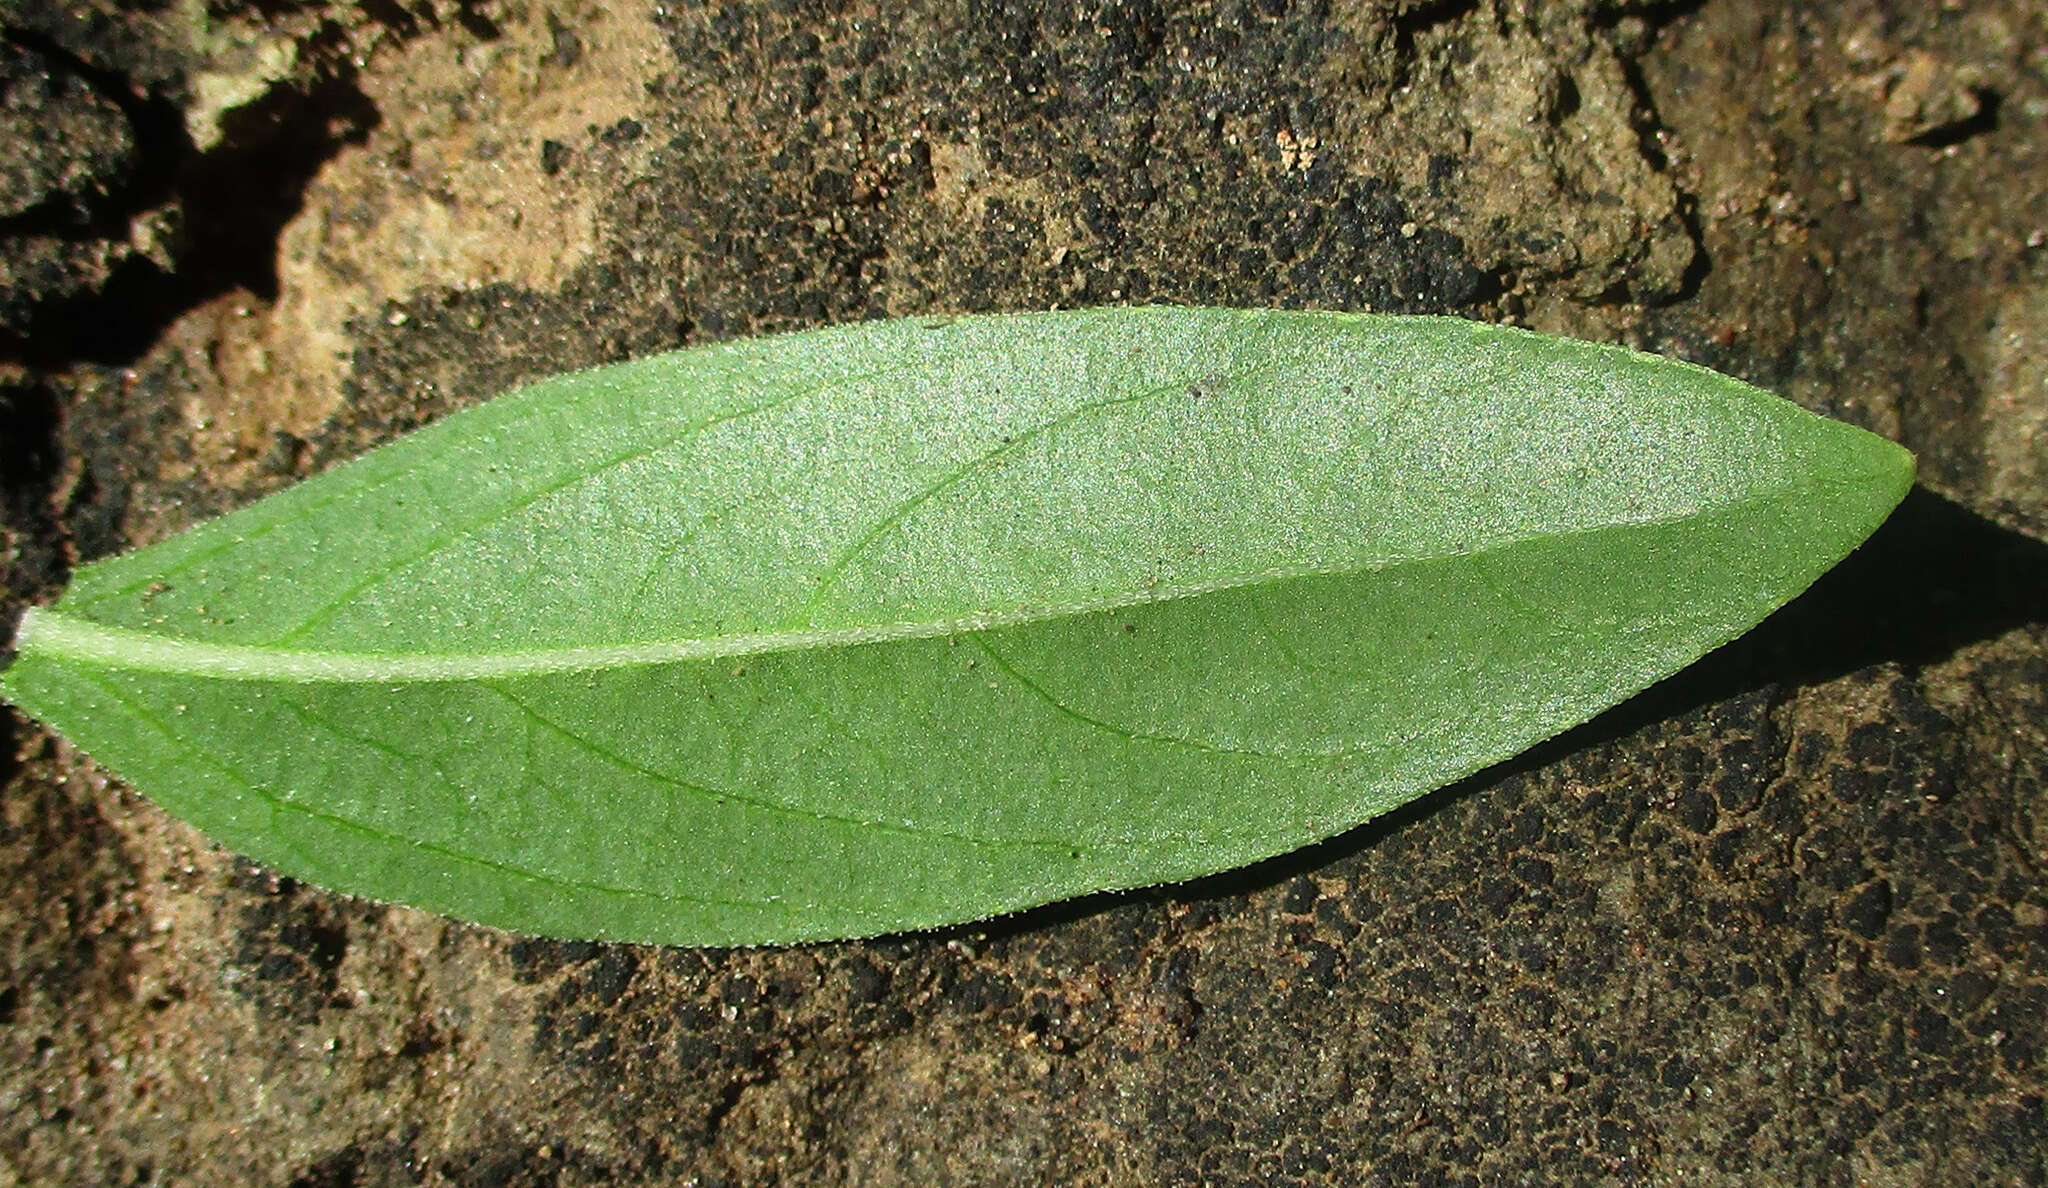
x: 1936, y: 577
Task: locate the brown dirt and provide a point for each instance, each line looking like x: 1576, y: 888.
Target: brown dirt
x: 1780, y: 920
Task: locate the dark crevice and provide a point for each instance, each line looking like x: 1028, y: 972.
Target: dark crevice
x: 722, y: 1107
x: 31, y: 464
x: 31, y: 455
x: 1644, y: 120
x: 1647, y: 122
x: 1702, y: 261
x: 1411, y: 24
x: 158, y: 134
x: 471, y: 15
x: 269, y: 10
x: 395, y: 17
x: 240, y: 196
x: 1489, y: 289
x: 1566, y: 102
x: 235, y: 200
x: 1655, y: 15
x: 11, y: 724
x: 342, y: 1169
x: 1417, y: 19
x: 1982, y: 123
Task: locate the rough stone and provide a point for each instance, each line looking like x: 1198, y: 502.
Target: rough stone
x: 1780, y: 919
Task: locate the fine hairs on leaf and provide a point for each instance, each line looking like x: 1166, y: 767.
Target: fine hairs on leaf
x: 910, y: 623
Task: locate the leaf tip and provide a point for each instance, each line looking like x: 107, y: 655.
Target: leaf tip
x: 1893, y: 468
x: 1905, y: 466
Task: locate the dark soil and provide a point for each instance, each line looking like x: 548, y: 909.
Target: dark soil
x: 1779, y: 920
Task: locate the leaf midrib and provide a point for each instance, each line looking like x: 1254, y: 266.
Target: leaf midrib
x: 52, y: 632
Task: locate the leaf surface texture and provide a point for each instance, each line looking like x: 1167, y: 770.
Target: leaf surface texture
x: 909, y: 623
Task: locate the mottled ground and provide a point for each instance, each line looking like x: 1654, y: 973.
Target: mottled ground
x: 1781, y: 920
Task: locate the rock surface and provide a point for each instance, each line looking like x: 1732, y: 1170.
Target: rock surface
x: 1781, y: 919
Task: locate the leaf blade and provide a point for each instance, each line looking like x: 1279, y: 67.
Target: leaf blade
x: 832, y: 785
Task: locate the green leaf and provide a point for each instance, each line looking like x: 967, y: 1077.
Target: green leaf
x: 908, y: 623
